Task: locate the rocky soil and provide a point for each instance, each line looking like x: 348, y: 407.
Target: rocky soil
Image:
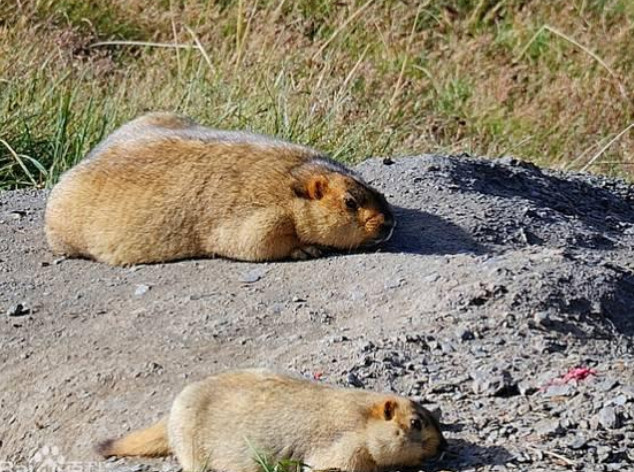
x: 505, y: 300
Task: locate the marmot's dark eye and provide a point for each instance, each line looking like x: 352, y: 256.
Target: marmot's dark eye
x: 351, y: 203
x: 417, y: 424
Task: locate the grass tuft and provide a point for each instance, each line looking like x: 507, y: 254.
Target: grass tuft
x: 287, y: 465
x: 551, y: 83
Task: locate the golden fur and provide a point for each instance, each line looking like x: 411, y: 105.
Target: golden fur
x: 162, y: 188
x: 221, y: 422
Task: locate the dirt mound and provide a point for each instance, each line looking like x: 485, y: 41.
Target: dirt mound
x: 546, y: 240
x: 499, y: 280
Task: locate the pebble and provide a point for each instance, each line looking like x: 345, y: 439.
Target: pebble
x: 603, y: 453
x: 526, y: 388
x: 465, y: 334
x: 628, y: 391
x: 141, y: 289
x: 608, y: 418
x: 608, y: 384
x: 252, y: 276
x: 578, y: 442
x: 619, y: 400
x: 354, y: 381
x: 394, y: 283
x: 447, y: 347
x: 496, y: 384
x: 542, y: 318
x: 19, y: 309
x: 277, y: 308
x: 615, y: 467
x: 558, y: 390
x: 549, y: 427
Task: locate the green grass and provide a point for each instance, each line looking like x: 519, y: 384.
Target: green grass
x: 548, y: 83
x: 267, y: 465
x: 87, y: 17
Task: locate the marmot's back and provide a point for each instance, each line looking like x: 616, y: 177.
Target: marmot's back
x: 162, y: 187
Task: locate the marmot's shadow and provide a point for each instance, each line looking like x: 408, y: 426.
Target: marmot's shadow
x: 419, y: 232
x: 462, y: 455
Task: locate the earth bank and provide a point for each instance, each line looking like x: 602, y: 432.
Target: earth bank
x: 500, y: 279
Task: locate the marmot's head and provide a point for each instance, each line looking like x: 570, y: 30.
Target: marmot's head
x: 337, y: 209
x: 403, y: 433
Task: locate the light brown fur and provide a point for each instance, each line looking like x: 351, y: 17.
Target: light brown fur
x: 221, y: 423
x: 162, y: 188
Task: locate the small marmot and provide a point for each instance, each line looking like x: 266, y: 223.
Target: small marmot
x: 162, y: 188
x: 221, y: 423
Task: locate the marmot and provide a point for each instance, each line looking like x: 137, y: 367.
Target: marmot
x: 162, y: 188
x: 221, y: 423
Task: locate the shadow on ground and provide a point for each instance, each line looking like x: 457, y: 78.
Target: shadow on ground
x: 587, y: 318
x: 419, y: 232
x: 464, y: 455
x: 599, y: 207
x: 619, y: 306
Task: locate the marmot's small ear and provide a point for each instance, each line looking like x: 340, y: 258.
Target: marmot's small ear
x: 385, y: 410
x: 313, y: 188
x: 388, y: 409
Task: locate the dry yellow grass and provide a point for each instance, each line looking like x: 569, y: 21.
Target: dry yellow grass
x: 546, y: 81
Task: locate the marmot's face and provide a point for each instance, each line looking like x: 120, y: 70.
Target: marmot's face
x: 370, y: 214
x: 425, y: 429
x: 403, y: 433
x: 345, y: 213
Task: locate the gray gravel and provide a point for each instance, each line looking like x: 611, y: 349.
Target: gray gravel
x: 500, y: 279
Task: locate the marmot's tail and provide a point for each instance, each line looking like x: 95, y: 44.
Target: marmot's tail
x: 150, y: 442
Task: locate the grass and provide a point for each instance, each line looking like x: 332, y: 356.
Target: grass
x: 549, y: 82
x: 265, y: 464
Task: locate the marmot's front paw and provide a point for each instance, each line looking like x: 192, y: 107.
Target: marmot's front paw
x: 307, y: 252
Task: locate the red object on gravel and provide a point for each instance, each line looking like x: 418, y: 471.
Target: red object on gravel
x: 576, y: 374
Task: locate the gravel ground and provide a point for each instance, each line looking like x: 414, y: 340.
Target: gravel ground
x: 501, y: 279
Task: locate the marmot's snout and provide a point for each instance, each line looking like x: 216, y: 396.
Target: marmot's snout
x: 384, y: 229
x: 387, y: 229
